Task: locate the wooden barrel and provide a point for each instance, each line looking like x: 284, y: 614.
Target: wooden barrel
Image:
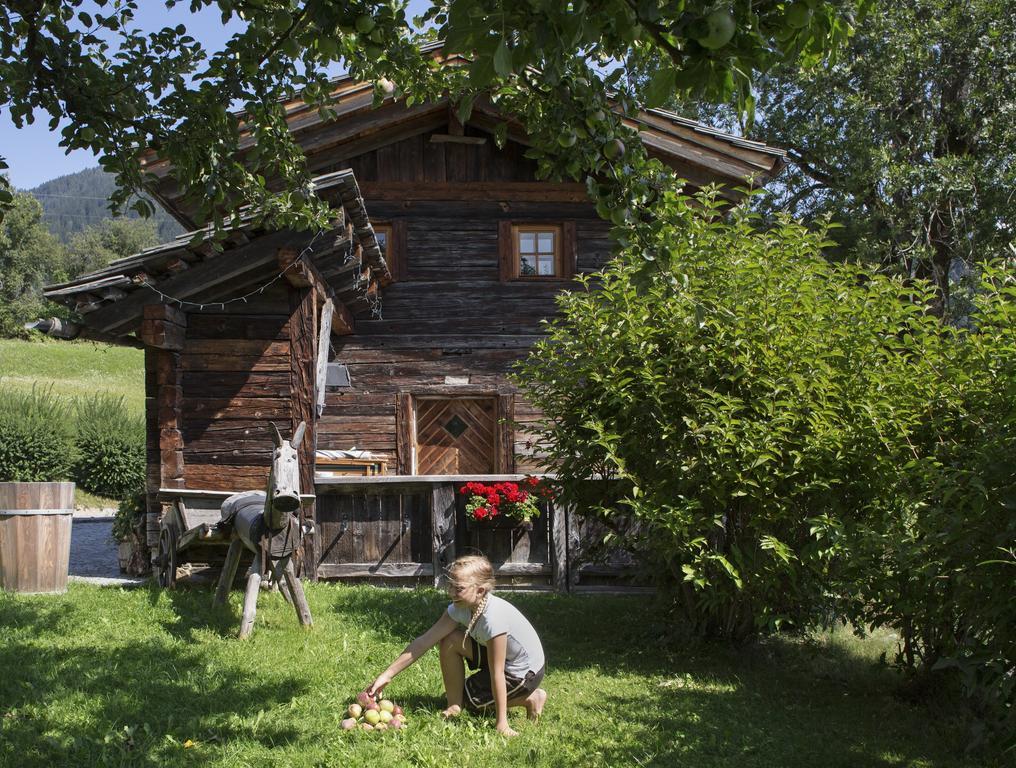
x: 35, y: 536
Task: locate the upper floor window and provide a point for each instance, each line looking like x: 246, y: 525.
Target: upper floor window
x: 537, y: 251
x: 383, y: 234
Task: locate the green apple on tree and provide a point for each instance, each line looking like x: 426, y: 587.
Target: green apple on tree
x: 716, y: 29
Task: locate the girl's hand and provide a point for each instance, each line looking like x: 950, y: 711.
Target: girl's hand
x: 506, y: 730
x: 378, y: 685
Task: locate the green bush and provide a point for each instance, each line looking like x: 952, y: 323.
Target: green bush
x: 129, y: 515
x: 111, y: 447
x: 36, y: 436
x: 785, y: 439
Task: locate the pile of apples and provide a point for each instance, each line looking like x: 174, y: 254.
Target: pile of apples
x: 370, y: 714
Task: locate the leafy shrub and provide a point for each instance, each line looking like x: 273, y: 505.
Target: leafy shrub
x: 129, y: 515
x: 785, y: 439
x: 111, y: 447
x: 740, y: 393
x: 36, y: 436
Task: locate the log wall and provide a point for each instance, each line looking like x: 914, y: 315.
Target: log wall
x: 236, y: 376
x: 450, y: 316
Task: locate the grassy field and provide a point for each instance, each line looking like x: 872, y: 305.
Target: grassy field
x: 74, y: 369
x: 108, y: 677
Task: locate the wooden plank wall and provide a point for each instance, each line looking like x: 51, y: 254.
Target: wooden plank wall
x: 236, y: 377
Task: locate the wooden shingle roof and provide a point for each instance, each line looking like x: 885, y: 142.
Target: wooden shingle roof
x: 190, y: 268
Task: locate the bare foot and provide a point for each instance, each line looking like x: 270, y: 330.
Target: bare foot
x: 535, y: 702
x: 454, y: 711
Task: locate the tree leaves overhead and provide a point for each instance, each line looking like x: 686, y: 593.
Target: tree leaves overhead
x: 909, y: 140
x: 123, y: 91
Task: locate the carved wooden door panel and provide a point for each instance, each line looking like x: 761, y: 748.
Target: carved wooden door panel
x: 456, y: 436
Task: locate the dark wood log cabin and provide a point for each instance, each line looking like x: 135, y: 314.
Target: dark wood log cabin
x: 446, y: 254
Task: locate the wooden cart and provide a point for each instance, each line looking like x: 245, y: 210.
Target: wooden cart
x: 189, y: 532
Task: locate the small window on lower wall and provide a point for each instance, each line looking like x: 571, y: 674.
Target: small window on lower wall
x: 537, y: 251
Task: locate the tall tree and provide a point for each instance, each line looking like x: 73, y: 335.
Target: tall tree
x: 29, y: 257
x: 124, y: 91
x: 909, y: 140
x: 111, y: 239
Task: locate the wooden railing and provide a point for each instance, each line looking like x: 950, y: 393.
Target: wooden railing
x: 414, y: 526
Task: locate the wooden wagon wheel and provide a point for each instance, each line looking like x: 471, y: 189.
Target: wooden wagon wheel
x: 167, y: 558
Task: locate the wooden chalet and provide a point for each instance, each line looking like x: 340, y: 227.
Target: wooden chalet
x: 446, y: 253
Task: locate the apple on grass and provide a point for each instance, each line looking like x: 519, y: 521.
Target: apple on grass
x: 386, y: 705
x: 372, y: 716
x: 349, y: 724
x: 363, y: 699
x: 355, y: 710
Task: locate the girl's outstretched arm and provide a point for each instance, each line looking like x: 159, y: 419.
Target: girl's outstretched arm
x: 497, y: 649
x: 441, y: 628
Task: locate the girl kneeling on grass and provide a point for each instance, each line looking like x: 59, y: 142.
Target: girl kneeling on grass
x: 489, y: 634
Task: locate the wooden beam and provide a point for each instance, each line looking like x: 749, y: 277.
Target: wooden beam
x: 163, y: 327
x: 559, y: 536
x: 455, y: 127
x: 444, y: 138
x: 294, y: 268
x: 302, y: 325
x: 324, y: 336
x: 442, y: 526
x: 514, y: 191
x: 374, y: 571
x: 306, y: 274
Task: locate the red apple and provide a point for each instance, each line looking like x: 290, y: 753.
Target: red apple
x: 397, y: 710
x: 349, y: 724
x: 363, y: 699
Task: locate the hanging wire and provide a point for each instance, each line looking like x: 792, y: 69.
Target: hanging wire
x: 359, y: 283
x: 309, y: 249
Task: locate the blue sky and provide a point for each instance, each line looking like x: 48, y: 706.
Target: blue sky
x: 33, y: 153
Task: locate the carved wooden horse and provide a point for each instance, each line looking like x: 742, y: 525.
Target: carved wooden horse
x: 267, y: 521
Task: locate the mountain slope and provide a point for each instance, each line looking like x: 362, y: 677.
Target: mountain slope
x: 71, y: 203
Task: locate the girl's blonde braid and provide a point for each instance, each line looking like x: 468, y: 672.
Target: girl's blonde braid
x: 477, y: 613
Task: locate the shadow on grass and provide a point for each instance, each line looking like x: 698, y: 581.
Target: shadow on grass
x: 782, y: 702
x: 149, y: 688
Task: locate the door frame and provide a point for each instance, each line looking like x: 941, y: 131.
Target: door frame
x: 504, y: 431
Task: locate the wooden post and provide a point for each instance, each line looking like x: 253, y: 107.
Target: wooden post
x: 302, y: 371
x: 559, y: 517
x: 405, y: 430
x: 163, y: 330
x: 228, y: 571
x: 323, y: 344
x: 250, y: 597
x: 299, y: 598
x: 442, y: 517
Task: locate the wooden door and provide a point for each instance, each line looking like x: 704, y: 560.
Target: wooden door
x: 456, y: 436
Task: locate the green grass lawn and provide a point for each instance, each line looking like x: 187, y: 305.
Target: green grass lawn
x: 108, y: 677
x: 75, y: 369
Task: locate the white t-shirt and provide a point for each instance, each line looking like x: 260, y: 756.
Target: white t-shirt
x: 524, y: 652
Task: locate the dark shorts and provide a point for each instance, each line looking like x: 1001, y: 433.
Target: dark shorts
x: 477, y: 692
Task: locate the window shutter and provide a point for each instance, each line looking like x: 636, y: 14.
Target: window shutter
x: 569, y: 250
x: 505, y: 250
x: 397, y: 260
